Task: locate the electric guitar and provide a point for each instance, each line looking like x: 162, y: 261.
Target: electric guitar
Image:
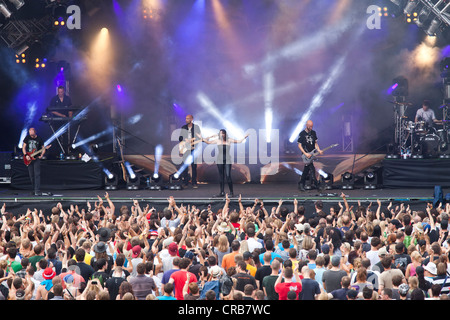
x: 29, y: 157
x: 183, y: 145
x: 315, y: 153
x: 122, y: 161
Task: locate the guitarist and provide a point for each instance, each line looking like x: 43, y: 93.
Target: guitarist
x: 307, y: 142
x: 189, y: 133
x: 33, y: 142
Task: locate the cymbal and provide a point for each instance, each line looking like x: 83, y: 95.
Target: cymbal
x: 402, y: 103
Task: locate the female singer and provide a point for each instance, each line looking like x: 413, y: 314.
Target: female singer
x: 224, y: 159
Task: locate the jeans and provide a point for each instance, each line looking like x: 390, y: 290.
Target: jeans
x: 34, y: 170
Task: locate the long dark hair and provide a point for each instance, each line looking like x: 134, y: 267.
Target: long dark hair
x: 225, y: 133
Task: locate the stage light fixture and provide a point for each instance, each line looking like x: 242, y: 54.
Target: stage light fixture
x: 348, y: 181
x: 370, y: 180
x: 111, y: 180
x: 133, y: 182
x: 17, y: 3
x: 326, y: 180
x: 130, y: 170
x: 434, y: 27
x: 400, y: 87
x: 399, y: 3
x: 410, y: 6
x: 175, y: 182
x: 423, y: 17
x: 153, y: 182
x: 5, y: 11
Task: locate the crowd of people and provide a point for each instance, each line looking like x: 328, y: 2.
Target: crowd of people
x: 100, y: 252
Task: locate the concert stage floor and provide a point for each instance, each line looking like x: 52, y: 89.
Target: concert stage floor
x: 19, y: 200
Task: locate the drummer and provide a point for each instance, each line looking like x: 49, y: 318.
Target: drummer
x: 427, y: 115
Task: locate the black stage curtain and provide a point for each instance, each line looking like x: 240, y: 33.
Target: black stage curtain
x: 59, y: 175
x: 416, y: 173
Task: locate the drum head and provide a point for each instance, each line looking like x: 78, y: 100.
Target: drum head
x: 430, y: 145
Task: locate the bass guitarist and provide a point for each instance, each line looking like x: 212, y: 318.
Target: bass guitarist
x: 307, y: 142
x: 31, y: 143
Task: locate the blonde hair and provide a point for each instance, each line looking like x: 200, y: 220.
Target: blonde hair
x: 223, y: 244
x: 128, y: 296
x: 413, y: 282
x: 307, y: 243
x: 244, y: 246
x: 416, y: 256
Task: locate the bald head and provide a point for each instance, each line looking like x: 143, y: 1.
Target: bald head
x: 309, y: 125
x: 189, y: 118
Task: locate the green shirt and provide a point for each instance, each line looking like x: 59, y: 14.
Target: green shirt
x: 16, y: 266
x: 35, y: 259
x: 268, y: 283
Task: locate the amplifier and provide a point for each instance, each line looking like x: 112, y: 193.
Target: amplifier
x: 5, y: 166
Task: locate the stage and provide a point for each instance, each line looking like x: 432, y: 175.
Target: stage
x: 76, y: 182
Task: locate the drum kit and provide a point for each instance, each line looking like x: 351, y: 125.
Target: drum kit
x: 419, y: 139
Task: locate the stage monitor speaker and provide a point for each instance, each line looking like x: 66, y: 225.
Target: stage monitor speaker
x: 5, y: 166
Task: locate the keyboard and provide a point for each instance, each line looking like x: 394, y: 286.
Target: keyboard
x: 73, y: 108
x: 51, y: 118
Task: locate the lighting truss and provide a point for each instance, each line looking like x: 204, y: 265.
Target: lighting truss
x: 18, y: 33
x: 439, y: 8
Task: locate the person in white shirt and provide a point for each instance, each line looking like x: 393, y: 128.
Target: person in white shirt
x: 252, y: 242
x: 426, y: 114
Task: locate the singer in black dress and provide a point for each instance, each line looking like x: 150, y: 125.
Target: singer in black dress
x: 223, y: 160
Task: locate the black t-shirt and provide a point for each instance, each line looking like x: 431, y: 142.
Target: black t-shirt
x: 56, y: 101
x: 308, y: 140
x: 33, y: 143
x: 113, y: 284
x: 261, y: 273
x: 86, y: 270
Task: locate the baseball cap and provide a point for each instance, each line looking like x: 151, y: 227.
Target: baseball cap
x: 382, y: 252
x: 403, y: 289
x: 172, y: 248
x: 136, y: 251
x: 20, y: 294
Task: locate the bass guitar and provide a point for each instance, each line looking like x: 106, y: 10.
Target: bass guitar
x: 29, y: 157
x: 315, y: 153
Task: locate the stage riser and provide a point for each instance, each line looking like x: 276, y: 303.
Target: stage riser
x: 59, y: 175
x: 416, y: 173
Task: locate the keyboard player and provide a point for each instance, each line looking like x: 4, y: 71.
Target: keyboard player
x: 60, y: 102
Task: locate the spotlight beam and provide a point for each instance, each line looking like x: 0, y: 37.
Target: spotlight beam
x: 64, y: 128
x: 92, y: 138
x: 319, y: 97
x: 268, y: 102
x: 302, y: 47
x: 325, y: 89
x: 211, y: 108
x: 158, y: 154
x: 28, y: 120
